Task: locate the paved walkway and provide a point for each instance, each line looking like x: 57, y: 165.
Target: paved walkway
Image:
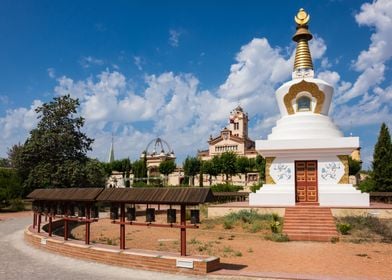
x: 21, y: 261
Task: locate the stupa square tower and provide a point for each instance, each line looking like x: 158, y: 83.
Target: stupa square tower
x: 306, y: 154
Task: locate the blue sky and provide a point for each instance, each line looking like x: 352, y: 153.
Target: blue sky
x: 172, y: 69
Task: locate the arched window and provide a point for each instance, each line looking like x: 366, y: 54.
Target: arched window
x: 303, y: 104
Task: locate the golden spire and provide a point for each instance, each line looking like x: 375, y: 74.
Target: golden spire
x: 303, y: 59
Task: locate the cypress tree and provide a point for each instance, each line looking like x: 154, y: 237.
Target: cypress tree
x: 382, y: 161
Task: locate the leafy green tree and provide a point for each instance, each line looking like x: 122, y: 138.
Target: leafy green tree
x: 10, y: 186
x: 191, y: 167
x: 243, y: 166
x: 4, y: 162
x: 139, y: 168
x: 228, y: 164
x: 208, y: 167
x: 354, y: 166
x: 260, y: 166
x: 382, y: 161
x: 56, y: 148
x: 167, y: 167
x: 94, y: 174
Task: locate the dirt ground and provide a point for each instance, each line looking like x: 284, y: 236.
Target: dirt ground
x: 250, y: 252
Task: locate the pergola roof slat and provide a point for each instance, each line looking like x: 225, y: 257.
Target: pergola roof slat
x: 188, y: 196
x: 158, y: 195
x: 66, y: 194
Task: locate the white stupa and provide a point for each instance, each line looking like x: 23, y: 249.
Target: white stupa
x: 306, y: 154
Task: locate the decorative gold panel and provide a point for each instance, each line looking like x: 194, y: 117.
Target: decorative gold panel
x: 312, y: 88
x: 268, y: 163
x: 344, y: 160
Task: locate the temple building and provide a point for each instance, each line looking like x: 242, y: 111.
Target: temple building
x: 306, y: 154
x: 233, y: 138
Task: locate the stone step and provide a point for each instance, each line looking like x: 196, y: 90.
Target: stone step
x: 310, y: 231
x: 292, y: 216
x: 299, y: 219
x: 307, y: 237
x: 309, y: 224
x: 308, y: 213
x: 330, y: 227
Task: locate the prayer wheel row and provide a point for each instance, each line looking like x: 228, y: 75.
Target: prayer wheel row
x: 150, y: 215
x: 64, y: 209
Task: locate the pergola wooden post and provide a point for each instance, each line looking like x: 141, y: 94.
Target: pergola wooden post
x: 183, y: 230
x: 50, y: 225
x: 34, y: 219
x: 66, y: 227
x: 122, y: 226
x: 39, y: 223
x: 87, y: 230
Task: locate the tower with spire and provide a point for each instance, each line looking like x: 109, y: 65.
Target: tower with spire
x: 306, y: 154
x: 111, y: 152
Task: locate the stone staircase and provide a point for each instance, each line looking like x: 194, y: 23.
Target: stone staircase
x: 306, y: 223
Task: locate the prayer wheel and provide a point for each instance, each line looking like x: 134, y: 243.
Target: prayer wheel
x: 95, y: 212
x: 60, y: 209
x: 195, y: 216
x: 171, y: 216
x: 150, y: 215
x: 114, y: 213
x: 81, y: 211
x: 131, y: 213
x: 70, y: 210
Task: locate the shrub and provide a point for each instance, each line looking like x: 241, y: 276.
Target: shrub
x: 17, y: 204
x: 226, y: 188
x: 344, y: 228
x: 370, y: 223
x: 275, y: 226
x: 238, y: 254
x: 256, y: 226
x: 255, y: 187
x: 367, y: 185
x: 277, y: 237
x: 228, y: 223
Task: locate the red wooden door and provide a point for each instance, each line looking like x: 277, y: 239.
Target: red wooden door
x: 306, y: 181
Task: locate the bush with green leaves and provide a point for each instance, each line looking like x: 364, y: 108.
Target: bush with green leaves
x: 344, y: 228
x: 277, y: 237
x: 226, y: 188
x: 255, y: 187
x: 10, y: 186
x: 17, y: 204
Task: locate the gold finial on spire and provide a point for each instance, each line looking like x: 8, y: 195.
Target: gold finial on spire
x: 302, y: 17
x: 303, y: 59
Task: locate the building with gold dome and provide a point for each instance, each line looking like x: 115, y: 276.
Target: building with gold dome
x: 306, y: 154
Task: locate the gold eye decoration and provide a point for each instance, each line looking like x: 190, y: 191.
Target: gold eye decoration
x: 302, y: 17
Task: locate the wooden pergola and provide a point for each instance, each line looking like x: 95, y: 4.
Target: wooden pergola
x: 60, y: 203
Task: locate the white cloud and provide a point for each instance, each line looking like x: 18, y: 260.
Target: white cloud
x: 317, y: 47
x: 364, y: 102
x: 89, y: 61
x: 16, y: 124
x: 259, y: 67
x: 174, y: 37
x: 51, y: 73
x: 330, y: 77
x: 378, y: 15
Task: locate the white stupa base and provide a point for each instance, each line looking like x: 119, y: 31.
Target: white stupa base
x: 273, y: 195
x: 342, y: 195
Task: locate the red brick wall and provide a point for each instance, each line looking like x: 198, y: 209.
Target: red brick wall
x: 117, y: 257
